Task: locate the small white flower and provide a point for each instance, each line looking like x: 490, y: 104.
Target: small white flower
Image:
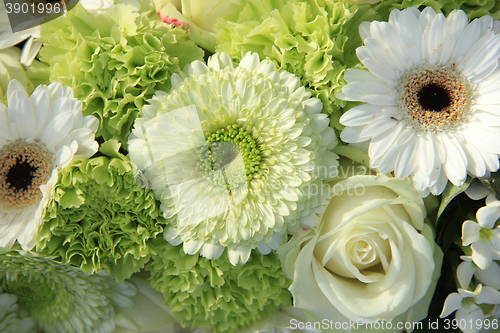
x: 466, y: 302
x: 39, y: 134
x: 483, y: 239
x: 467, y: 269
x: 432, y: 102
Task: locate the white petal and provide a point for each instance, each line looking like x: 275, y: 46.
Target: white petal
x: 357, y: 117
x: 490, y: 276
x: 367, y: 92
x: 467, y: 40
x: 487, y: 216
x: 470, y: 314
x: 483, y: 137
x: 239, y: 255
x: 57, y: 129
x: 481, y: 254
x: 25, y: 118
x: 191, y: 246
x: 488, y: 295
x: 381, y: 142
x: 455, y: 164
x: 477, y: 191
x: 470, y: 232
x: 212, y: 251
x: 438, y: 32
x: 465, y: 271
x: 353, y: 134
x: 426, y: 154
x: 407, y: 160
x: 475, y: 161
x: 411, y: 30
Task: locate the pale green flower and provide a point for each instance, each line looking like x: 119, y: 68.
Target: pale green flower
x: 115, y: 61
x: 61, y: 298
x: 236, y: 156
x: 214, y: 294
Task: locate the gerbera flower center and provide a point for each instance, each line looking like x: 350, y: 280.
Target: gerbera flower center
x: 235, y: 150
x: 434, y: 98
x: 24, y: 166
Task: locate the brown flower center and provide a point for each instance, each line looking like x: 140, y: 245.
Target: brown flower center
x: 435, y: 98
x: 24, y: 166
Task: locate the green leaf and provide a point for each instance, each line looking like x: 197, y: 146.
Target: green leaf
x: 450, y: 192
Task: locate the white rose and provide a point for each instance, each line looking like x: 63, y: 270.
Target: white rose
x: 371, y: 258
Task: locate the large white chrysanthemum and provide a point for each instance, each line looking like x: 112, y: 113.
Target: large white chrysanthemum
x: 236, y: 155
x: 39, y: 134
x: 431, y: 90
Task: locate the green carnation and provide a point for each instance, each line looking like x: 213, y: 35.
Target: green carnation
x: 215, y: 295
x: 315, y: 40
x: 114, y: 61
x: 10, y: 319
x: 99, y: 218
x: 61, y: 298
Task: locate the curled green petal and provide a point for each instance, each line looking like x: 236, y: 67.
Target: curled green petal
x: 215, y: 295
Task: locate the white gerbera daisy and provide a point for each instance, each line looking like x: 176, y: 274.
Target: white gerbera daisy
x: 236, y: 156
x: 431, y: 90
x: 39, y: 134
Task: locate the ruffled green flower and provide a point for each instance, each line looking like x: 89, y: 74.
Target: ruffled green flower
x: 215, y: 295
x: 61, y: 298
x: 115, y: 61
x: 99, y: 218
x: 315, y: 40
x: 10, y: 319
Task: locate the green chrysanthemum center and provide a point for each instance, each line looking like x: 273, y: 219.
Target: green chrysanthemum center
x: 24, y: 166
x: 232, y: 157
x: 31, y: 293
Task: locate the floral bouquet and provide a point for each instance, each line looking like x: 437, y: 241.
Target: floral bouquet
x: 248, y: 166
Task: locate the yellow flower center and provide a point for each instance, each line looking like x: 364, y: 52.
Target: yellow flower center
x: 435, y: 98
x: 24, y: 166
